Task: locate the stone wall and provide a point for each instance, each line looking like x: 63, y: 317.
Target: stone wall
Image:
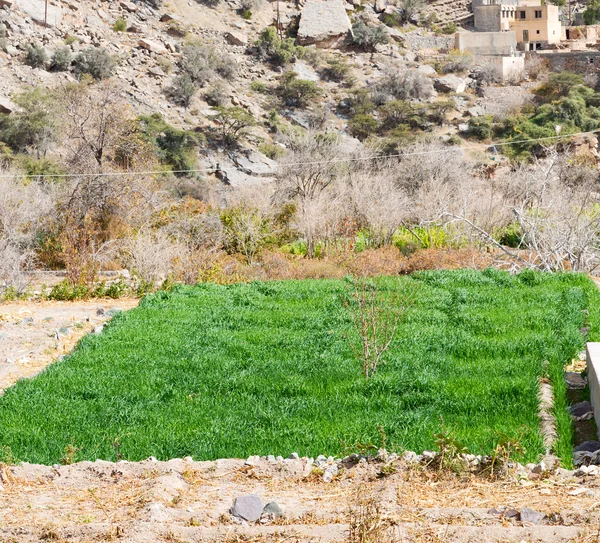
x: 593, y: 370
x: 487, y: 18
x: 580, y: 62
x: 486, y: 43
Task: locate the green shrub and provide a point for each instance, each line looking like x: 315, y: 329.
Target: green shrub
x: 61, y: 59
x: 591, y: 15
x: 233, y: 121
x: 482, y: 127
x: 202, y: 63
x: 259, y: 86
x: 511, y: 235
x: 297, y: 92
x: 337, y: 70
x: 272, y: 150
x: 450, y: 28
x: 95, y: 61
x: 279, y: 51
x: 120, y: 25
x: 362, y: 126
x: 457, y: 61
x: 418, y: 237
x: 559, y: 85
x: 36, y: 56
x: 246, y: 14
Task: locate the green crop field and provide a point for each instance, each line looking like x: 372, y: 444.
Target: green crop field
x: 265, y: 368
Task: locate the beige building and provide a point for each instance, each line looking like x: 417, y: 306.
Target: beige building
x: 536, y: 26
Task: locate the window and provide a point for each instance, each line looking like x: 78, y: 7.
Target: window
x: 522, y: 14
x: 538, y: 13
x: 537, y: 31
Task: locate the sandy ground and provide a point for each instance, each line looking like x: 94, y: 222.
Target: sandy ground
x: 33, y: 334
x: 185, y: 501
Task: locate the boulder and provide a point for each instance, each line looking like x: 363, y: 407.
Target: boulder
x: 324, y: 23
x: 153, y: 47
x: 575, y: 380
x: 236, y: 38
x: 450, y: 83
x: 531, y: 517
x: 248, y: 507
x: 426, y: 69
x: 36, y: 10
x: 6, y: 106
x: 128, y: 6
x: 380, y: 5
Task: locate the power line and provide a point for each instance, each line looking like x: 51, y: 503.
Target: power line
x: 309, y: 163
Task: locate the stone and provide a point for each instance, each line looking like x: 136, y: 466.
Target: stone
x: 575, y: 380
x: 426, y: 69
x: 294, y: 456
x: 271, y: 458
x: 252, y: 460
x: 166, y: 17
x: 305, y: 71
x: 36, y: 10
x: 98, y: 329
x: 236, y: 38
x: 324, y: 24
x: 152, y: 46
x: 450, y: 83
x: 531, y: 516
x: 581, y: 411
x: 272, y: 511
x: 249, y: 507
x: 128, y: 6
x: 588, y: 446
x: 380, y: 6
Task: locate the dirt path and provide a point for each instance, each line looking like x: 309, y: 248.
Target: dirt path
x: 33, y: 334
x: 184, y: 501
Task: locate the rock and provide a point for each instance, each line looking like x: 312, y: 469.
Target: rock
x: 272, y: 511
x: 562, y: 473
x: 271, y: 458
x: 380, y: 6
x: 531, y: 516
x: 153, y: 47
x: 6, y: 106
x: 426, y: 69
x: 128, y: 6
x: 6, y: 3
x: 450, y: 83
x: 581, y: 411
x: 36, y: 10
x: 588, y: 446
x: 248, y: 507
x: 323, y: 23
x: 100, y: 311
x: 294, y: 456
x: 166, y: 17
x: 305, y: 71
x: 575, y: 380
x: 252, y: 461
x: 98, y: 329
x: 236, y: 38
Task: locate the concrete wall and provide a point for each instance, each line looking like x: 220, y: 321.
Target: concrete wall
x: 486, y: 43
x: 593, y: 369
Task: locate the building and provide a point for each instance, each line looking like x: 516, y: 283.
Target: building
x: 535, y: 25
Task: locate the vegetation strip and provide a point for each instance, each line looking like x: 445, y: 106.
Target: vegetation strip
x: 265, y: 368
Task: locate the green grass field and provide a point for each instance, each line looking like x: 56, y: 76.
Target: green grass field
x: 264, y: 368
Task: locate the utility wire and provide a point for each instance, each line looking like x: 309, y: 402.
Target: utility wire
x: 309, y: 163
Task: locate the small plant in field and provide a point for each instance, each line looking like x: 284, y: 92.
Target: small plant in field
x: 505, y: 448
x: 69, y: 454
x: 375, y: 315
x: 450, y: 450
x: 366, y: 521
x: 120, y: 25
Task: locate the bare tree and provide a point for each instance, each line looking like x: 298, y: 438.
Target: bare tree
x: 376, y: 309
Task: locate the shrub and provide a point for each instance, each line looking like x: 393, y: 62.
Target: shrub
x: 559, y: 84
x: 120, y: 25
x: 401, y: 112
x: 182, y: 90
x: 368, y: 37
x: 95, y: 61
x: 450, y: 28
x: 246, y: 231
x: 297, y: 92
x: 481, y: 127
x: 36, y: 56
x: 457, y: 61
x: 392, y: 19
x: 233, y: 121
x: 271, y: 47
x: 411, y: 8
x: 535, y: 66
x: 201, y: 63
x: 404, y: 85
x: 217, y: 94
x: 61, y: 59
x: 361, y: 126
x: 271, y: 150
x: 337, y: 70
x: 173, y: 146
x: 259, y: 86
x: 591, y: 16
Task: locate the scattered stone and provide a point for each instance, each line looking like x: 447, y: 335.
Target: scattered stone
x: 588, y: 446
x: 581, y: 411
x: 37, y: 11
x: 271, y: 458
x: 426, y: 69
x: 248, y: 507
x: 531, y: 516
x: 128, y: 6
x: 575, y: 380
x: 323, y: 23
x: 98, y: 329
x: 166, y: 17
x: 252, y: 460
x: 450, y: 83
x: 153, y: 47
x: 6, y: 106
x: 272, y: 511
x: 294, y: 456
x: 236, y: 38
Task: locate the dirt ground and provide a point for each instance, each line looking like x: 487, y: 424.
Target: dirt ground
x: 183, y: 501
x: 33, y: 334
x: 186, y: 501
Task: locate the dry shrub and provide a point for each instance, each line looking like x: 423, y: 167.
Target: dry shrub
x: 367, y: 522
x: 536, y: 66
x: 276, y: 265
x: 446, y: 259
x: 372, y: 262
